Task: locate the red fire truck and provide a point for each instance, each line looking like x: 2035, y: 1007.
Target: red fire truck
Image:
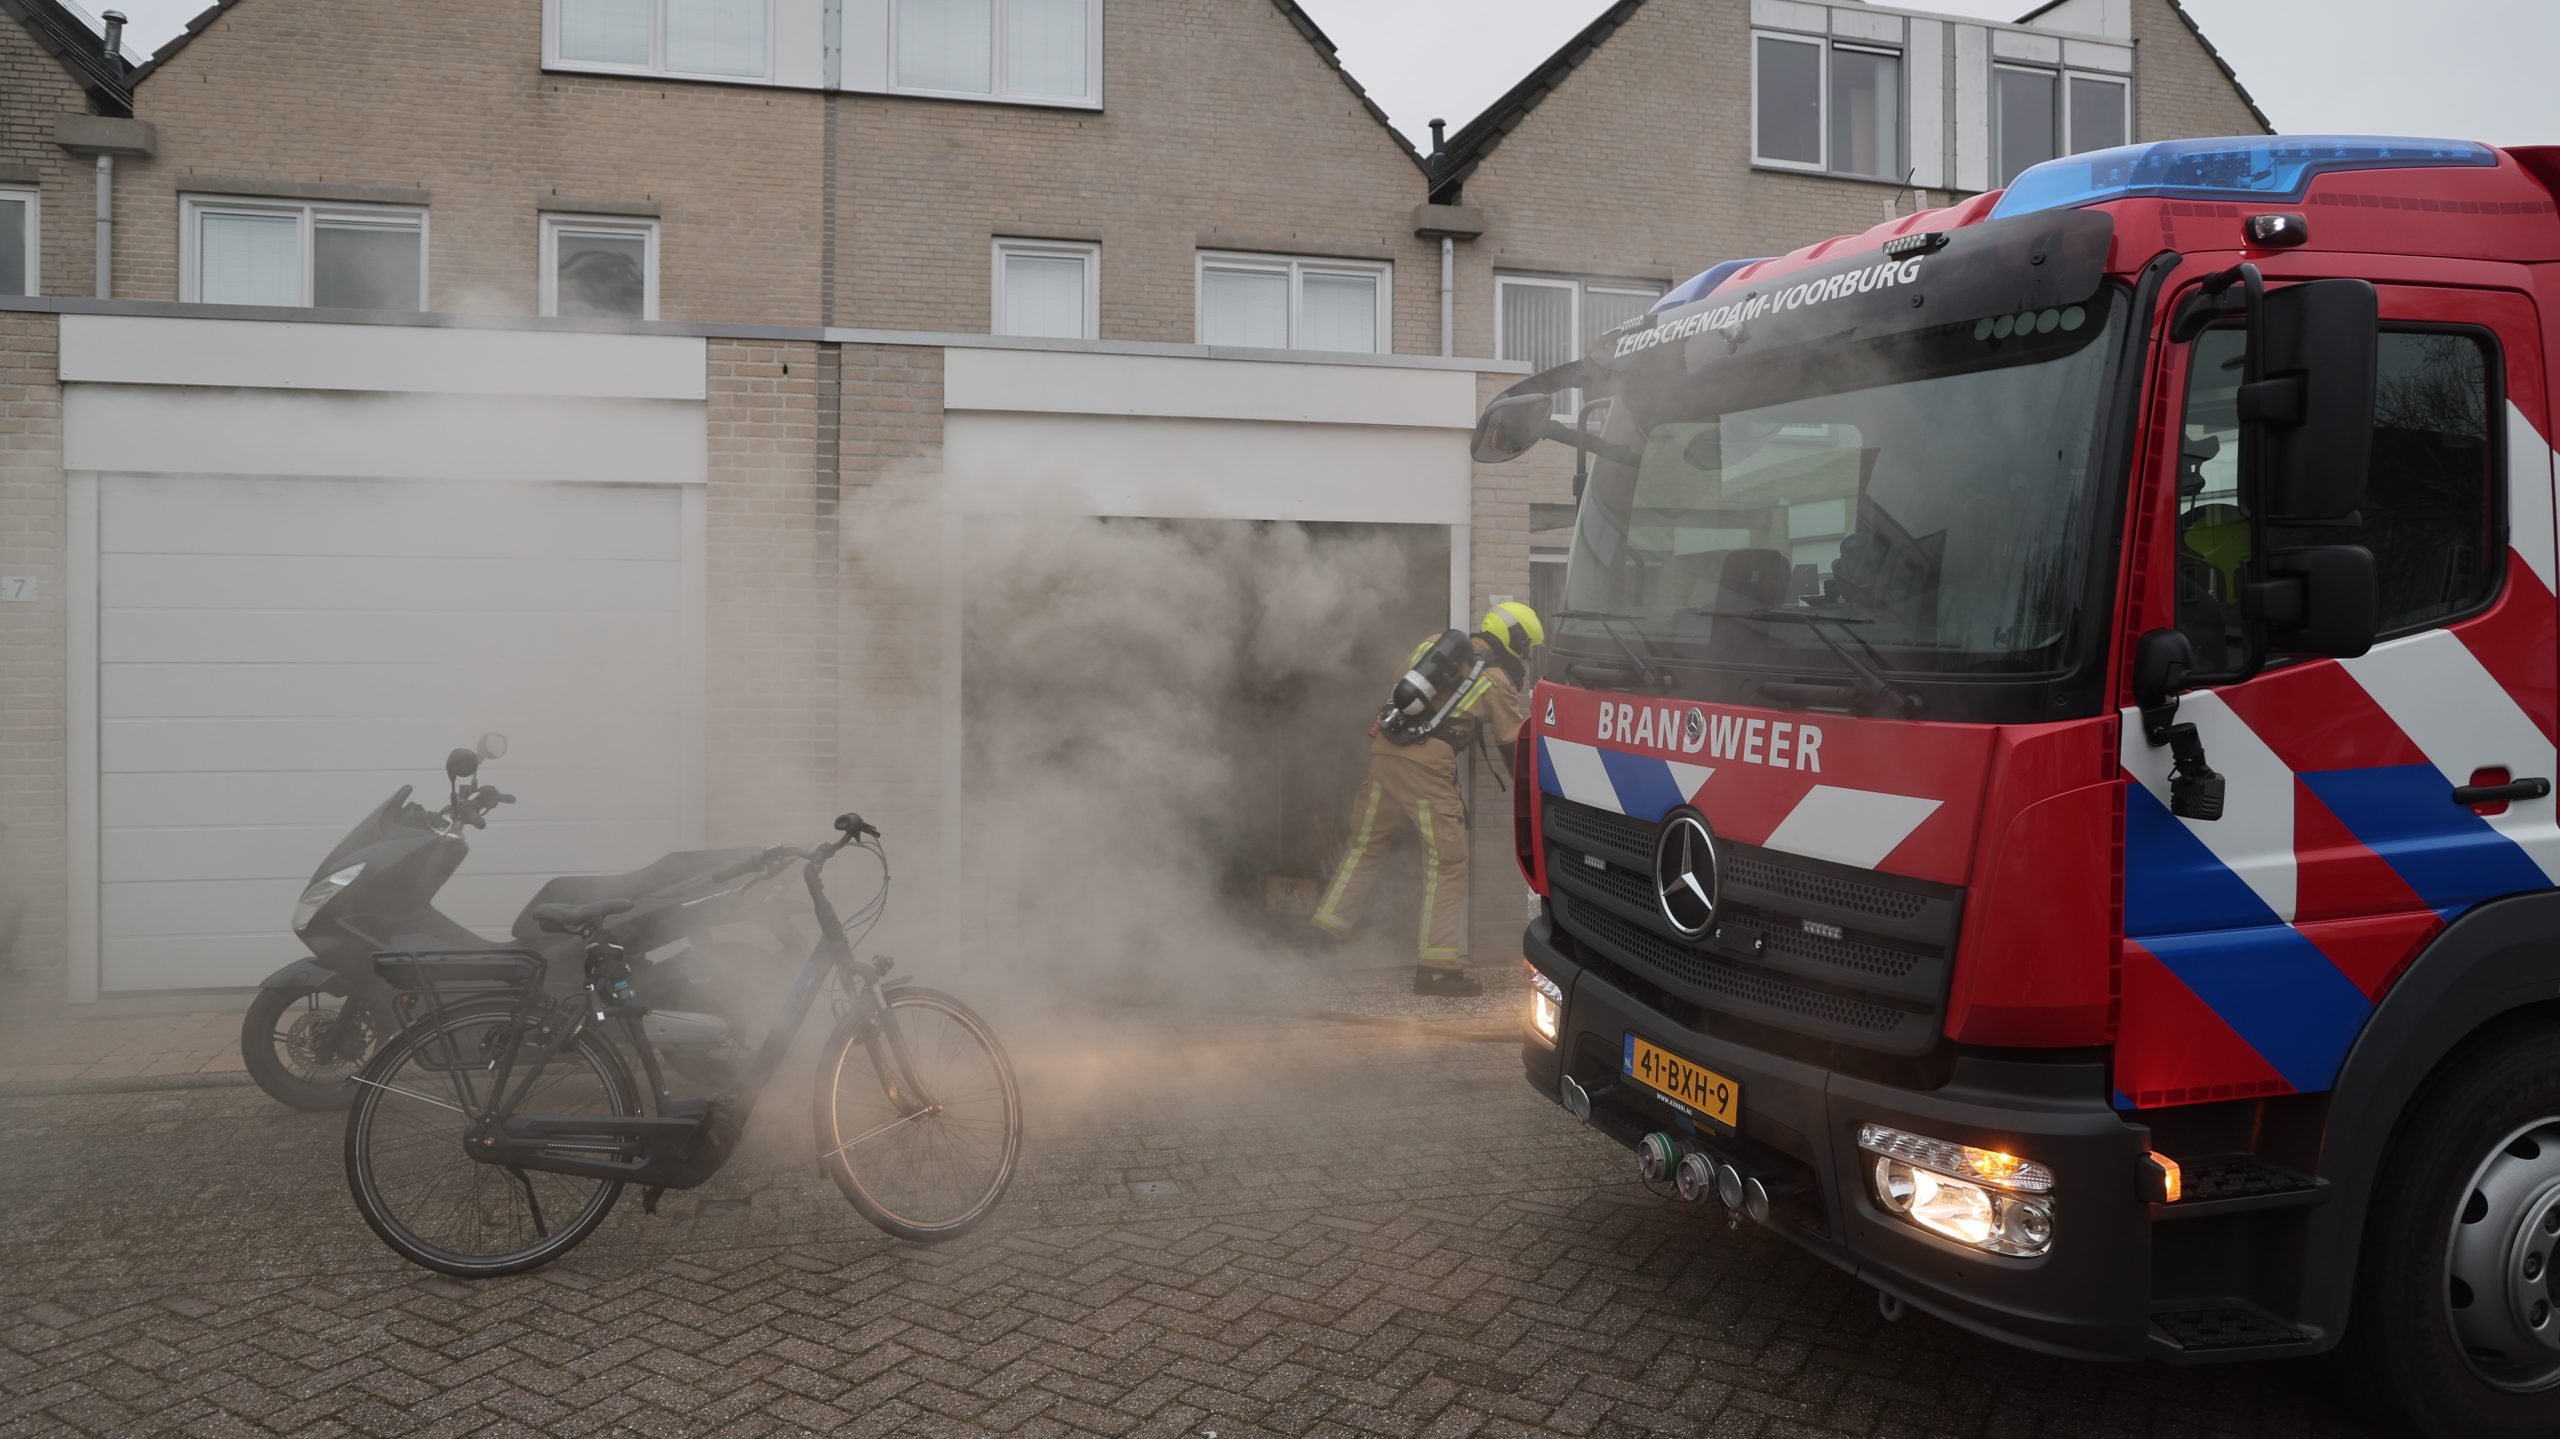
x: 2041, y: 786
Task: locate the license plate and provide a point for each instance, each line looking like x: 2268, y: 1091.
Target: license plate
x: 1691, y: 1086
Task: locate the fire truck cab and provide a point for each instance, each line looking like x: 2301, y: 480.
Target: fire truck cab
x: 2041, y: 787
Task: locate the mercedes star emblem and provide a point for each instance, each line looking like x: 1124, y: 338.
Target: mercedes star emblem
x: 1684, y: 874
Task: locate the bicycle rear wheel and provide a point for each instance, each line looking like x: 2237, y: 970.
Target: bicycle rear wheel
x: 427, y: 1198
x: 918, y: 1118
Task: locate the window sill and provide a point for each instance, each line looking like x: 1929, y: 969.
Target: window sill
x: 972, y: 97
x: 1844, y: 177
x: 669, y: 77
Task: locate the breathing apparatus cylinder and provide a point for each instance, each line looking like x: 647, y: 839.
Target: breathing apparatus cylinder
x: 1431, y: 688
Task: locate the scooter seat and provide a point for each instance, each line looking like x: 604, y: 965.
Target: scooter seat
x: 637, y: 885
x: 562, y: 918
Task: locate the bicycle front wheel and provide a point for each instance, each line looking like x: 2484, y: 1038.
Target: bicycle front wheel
x: 430, y: 1200
x: 919, y: 1121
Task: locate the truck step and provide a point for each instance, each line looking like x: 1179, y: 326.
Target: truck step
x: 2225, y: 1329
x: 2236, y: 1183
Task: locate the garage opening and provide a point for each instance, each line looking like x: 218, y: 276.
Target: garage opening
x: 1163, y: 725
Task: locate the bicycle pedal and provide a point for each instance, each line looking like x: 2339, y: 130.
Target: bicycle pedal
x: 649, y: 1197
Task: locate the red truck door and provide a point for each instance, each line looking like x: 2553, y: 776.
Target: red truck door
x: 2257, y: 944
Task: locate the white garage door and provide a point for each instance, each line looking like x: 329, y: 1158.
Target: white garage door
x: 277, y: 656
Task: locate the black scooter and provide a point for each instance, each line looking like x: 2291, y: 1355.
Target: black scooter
x: 315, y: 1021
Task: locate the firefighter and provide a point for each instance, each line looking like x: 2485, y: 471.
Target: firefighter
x: 1413, y: 781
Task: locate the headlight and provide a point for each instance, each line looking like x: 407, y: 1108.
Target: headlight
x: 1546, y: 1006
x: 318, y: 895
x: 1986, y: 1198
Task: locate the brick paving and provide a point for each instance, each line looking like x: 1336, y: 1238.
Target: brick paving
x: 1270, y: 1226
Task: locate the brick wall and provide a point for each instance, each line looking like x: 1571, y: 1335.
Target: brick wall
x: 449, y: 98
x: 2179, y: 90
x: 1220, y: 122
x: 34, y: 89
x: 32, y: 796
x: 769, y: 712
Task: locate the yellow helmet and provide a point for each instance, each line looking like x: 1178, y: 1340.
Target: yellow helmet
x: 1515, y: 627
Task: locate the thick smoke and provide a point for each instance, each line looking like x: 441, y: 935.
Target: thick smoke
x: 1162, y: 723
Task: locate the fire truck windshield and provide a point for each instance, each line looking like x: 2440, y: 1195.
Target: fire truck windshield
x: 1937, y: 492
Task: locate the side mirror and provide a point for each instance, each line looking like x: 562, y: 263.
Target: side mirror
x: 2163, y: 661
x: 1510, y: 425
x: 2320, y: 600
x: 493, y: 745
x: 2310, y: 402
x: 462, y: 764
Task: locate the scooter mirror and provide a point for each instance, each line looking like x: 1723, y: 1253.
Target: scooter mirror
x: 461, y: 764
x: 493, y: 745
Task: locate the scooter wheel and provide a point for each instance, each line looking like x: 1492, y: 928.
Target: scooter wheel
x: 290, y: 1042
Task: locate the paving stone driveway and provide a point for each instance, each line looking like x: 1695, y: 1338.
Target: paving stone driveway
x: 1257, y: 1227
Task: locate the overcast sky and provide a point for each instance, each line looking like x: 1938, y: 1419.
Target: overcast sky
x: 2467, y: 69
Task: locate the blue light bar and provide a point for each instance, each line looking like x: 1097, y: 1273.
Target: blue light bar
x: 1698, y: 286
x: 2270, y: 167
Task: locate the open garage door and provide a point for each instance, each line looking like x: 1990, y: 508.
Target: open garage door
x: 277, y: 656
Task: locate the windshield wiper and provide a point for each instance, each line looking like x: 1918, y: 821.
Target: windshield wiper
x: 1646, y: 674
x: 1872, y: 689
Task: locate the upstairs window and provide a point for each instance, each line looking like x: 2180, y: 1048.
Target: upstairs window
x: 1048, y: 289
x: 1046, y: 52
x: 268, y: 252
x: 725, y: 38
x: 1827, y: 105
x: 1547, y: 320
x: 18, y: 241
x: 597, y: 268
x: 1273, y: 302
x: 2032, y: 122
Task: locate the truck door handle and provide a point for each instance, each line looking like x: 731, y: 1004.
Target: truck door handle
x: 2499, y: 794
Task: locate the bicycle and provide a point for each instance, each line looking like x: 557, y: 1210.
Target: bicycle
x: 471, y: 1159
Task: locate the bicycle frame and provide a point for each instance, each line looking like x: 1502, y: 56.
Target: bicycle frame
x: 689, y: 1139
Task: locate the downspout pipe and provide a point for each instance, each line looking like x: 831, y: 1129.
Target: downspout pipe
x: 1448, y: 250
x: 106, y: 225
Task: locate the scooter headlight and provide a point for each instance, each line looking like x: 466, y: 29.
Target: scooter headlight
x: 318, y: 896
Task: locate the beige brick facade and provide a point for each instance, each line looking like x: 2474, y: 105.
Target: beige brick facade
x: 32, y: 793
x: 2179, y: 87
x: 34, y: 90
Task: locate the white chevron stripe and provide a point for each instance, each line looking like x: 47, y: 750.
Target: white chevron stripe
x: 1850, y: 826
x: 2463, y: 720
x: 2529, y: 479
x: 2255, y: 834
x: 1690, y: 778
x: 1581, y: 776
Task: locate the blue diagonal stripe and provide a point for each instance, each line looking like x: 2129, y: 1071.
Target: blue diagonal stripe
x: 1547, y: 782
x: 2274, y: 988
x: 2277, y: 991
x: 1644, y: 784
x: 2406, y: 814
x: 2172, y: 883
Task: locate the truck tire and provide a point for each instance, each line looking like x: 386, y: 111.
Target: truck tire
x: 2456, y: 1324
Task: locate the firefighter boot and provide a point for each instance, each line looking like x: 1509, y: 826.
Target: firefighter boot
x: 1445, y: 983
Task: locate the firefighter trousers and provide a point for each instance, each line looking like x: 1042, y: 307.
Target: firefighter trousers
x: 1401, y: 793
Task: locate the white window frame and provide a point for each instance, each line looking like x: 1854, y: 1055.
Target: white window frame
x: 1821, y: 46
x: 554, y: 223
x: 1296, y: 268
x: 193, y: 208
x: 999, y: 92
x: 553, y: 60
x: 34, y: 198
x: 1086, y: 251
x: 2062, y: 77
x: 1568, y: 402
x: 1825, y: 45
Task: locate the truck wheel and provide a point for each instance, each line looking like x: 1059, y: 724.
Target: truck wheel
x: 2457, y: 1311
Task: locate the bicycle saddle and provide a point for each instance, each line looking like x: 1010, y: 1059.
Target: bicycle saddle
x: 562, y: 918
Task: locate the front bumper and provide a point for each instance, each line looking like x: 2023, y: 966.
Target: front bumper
x: 2088, y: 1298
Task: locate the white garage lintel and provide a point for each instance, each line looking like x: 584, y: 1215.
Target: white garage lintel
x: 1282, y: 391
x: 401, y: 359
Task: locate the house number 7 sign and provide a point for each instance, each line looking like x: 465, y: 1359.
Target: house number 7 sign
x: 16, y: 587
